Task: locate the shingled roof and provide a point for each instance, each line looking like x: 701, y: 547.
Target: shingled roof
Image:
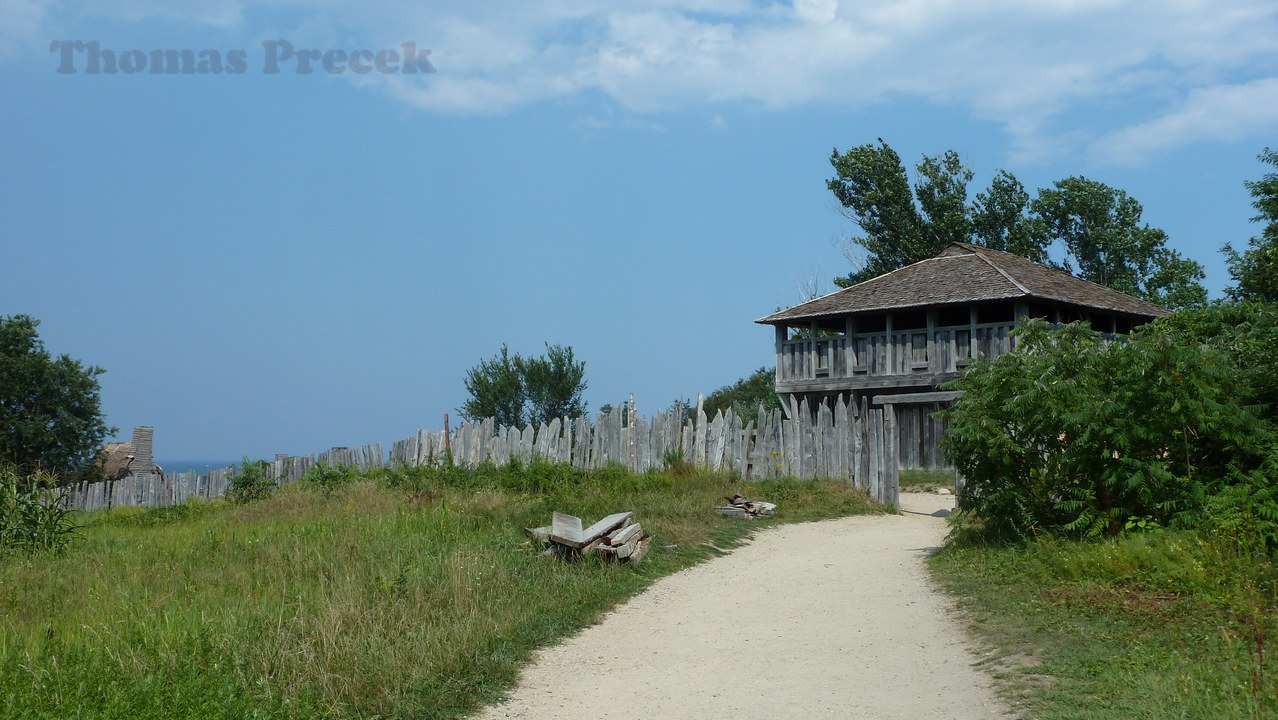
x: 965, y: 273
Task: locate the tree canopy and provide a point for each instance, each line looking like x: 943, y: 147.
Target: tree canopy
x: 1097, y: 229
x: 746, y: 395
x: 1255, y: 270
x: 516, y: 390
x: 50, y: 408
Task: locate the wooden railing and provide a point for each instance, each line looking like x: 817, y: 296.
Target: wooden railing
x: 909, y: 352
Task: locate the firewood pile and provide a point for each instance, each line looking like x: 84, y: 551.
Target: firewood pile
x: 617, y: 537
x: 741, y: 506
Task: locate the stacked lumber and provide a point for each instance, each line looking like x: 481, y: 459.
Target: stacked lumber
x: 741, y: 506
x: 616, y: 537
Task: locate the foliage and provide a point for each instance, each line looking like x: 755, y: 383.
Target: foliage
x: 1097, y: 228
x: 252, y: 481
x: 50, y: 408
x: 872, y: 187
x: 1255, y: 270
x: 33, y: 517
x: 745, y: 396
x: 1246, y: 335
x: 409, y: 592
x: 517, y: 391
x: 1074, y: 435
x: 554, y: 384
x: 328, y: 476
x: 496, y: 390
x: 1100, y: 229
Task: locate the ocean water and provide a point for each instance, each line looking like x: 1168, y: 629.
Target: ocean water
x: 200, y: 466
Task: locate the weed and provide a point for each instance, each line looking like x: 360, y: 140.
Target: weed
x: 252, y: 481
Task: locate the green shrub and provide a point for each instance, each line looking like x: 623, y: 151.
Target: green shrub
x: 33, y: 517
x: 252, y: 481
x: 1078, y: 436
x: 328, y: 476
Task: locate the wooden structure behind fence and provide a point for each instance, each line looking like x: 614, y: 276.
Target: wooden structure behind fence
x: 839, y: 440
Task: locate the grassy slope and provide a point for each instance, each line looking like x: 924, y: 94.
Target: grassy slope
x: 419, y: 599
x: 1157, y: 625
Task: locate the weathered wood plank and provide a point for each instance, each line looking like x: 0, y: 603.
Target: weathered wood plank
x: 566, y: 530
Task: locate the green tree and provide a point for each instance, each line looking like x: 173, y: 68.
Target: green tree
x: 516, y: 391
x: 1255, y: 270
x: 874, y: 191
x: 554, y: 384
x: 496, y: 390
x: 1001, y: 219
x: 746, y: 395
x: 50, y: 408
x: 1100, y: 230
x: 1097, y: 228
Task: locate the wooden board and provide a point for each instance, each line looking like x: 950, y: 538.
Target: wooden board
x: 605, y: 526
x: 566, y: 530
x: 637, y: 556
x: 622, y: 536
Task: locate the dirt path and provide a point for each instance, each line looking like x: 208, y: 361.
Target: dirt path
x: 835, y: 619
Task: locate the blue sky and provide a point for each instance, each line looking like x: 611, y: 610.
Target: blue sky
x: 283, y: 263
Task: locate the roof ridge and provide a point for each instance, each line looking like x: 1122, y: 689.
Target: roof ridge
x: 860, y: 284
x: 1002, y: 272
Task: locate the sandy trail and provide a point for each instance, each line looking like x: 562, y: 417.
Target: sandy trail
x: 835, y: 619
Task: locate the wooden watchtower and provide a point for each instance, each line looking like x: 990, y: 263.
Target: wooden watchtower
x: 894, y: 339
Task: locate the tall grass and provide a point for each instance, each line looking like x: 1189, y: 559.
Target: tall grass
x: 1151, y: 625
x: 400, y: 593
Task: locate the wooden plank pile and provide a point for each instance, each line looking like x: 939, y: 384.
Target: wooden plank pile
x: 741, y: 506
x: 617, y: 537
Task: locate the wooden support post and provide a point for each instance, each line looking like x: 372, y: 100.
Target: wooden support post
x: 782, y: 372
x: 934, y: 365
x: 891, y: 457
x: 448, y: 439
x: 890, y: 348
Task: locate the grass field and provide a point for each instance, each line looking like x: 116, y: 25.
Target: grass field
x: 408, y: 593
x: 1154, y: 625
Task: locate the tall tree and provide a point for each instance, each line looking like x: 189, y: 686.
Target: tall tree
x: 496, y: 390
x: 1098, y: 228
x: 554, y: 385
x: 1104, y: 241
x: 874, y: 191
x: 1001, y: 219
x: 1255, y: 270
x: 516, y: 391
x: 50, y: 408
x: 746, y: 395
x: 904, y: 224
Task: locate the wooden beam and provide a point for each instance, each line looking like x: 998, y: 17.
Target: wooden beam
x: 863, y: 382
x: 911, y: 398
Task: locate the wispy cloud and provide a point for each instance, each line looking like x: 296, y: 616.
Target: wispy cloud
x: 1175, y: 64
x: 1220, y: 112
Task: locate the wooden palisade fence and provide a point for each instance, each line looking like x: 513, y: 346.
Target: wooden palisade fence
x: 844, y: 441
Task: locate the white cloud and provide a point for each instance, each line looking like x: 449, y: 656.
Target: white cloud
x: 22, y: 25
x: 1219, y: 113
x: 1036, y: 68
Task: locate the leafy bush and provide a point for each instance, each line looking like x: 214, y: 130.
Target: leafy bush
x: 1078, y: 436
x: 33, y: 517
x: 328, y: 476
x: 251, y: 481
